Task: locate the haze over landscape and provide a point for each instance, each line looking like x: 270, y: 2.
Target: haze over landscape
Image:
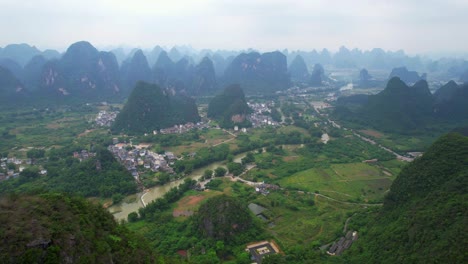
x: 265, y: 132
x: 418, y: 27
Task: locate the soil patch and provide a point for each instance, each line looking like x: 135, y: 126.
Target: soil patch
x: 372, y: 133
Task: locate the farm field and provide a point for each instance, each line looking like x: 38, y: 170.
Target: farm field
x: 358, y: 182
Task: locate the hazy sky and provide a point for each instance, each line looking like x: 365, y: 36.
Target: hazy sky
x: 417, y: 26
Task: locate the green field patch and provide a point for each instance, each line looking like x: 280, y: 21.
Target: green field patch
x: 353, y: 182
x: 294, y: 220
x: 352, y: 171
x: 289, y: 129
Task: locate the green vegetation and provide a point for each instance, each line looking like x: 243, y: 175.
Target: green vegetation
x: 316, y: 187
x: 231, y: 102
x: 222, y: 217
x: 354, y: 182
x: 424, y: 215
x: 149, y: 108
x: 99, y: 176
x: 232, y: 225
x: 410, y: 117
x: 56, y: 228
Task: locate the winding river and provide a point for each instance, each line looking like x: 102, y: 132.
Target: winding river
x: 121, y: 211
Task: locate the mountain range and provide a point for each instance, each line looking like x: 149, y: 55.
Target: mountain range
x: 83, y: 72
x: 405, y: 109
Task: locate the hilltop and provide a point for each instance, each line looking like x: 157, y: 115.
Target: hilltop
x: 258, y: 73
x: 229, y: 107
x: 406, y: 109
x: 150, y: 108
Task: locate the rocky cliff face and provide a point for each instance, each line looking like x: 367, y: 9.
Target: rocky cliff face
x: 82, y: 72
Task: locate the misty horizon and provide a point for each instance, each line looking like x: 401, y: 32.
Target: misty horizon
x: 417, y: 27
x: 187, y: 49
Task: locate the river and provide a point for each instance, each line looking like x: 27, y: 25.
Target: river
x: 122, y: 210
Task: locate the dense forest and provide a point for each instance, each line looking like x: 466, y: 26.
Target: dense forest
x: 424, y: 217
x: 225, y: 106
x: 98, y: 175
x: 57, y: 228
x: 149, y: 108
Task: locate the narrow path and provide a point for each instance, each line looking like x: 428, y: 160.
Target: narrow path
x: 141, y: 199
x: 345, y: 228
x: 227, y: 140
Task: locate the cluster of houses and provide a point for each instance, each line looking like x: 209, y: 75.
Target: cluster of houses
x: 105, y: 118
x: 7, y: 173
x: 83, y: 155
x: 138, y: 160
x: 259, y: 116
x: 180, y: 129
x: 344, y: 243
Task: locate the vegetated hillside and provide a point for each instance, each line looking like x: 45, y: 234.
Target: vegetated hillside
x: 135, y: 69
x: 222, y: 217
x: 32, y: 72
x: 9, y: 85
x: 150, y: 108
x: 317, y: 77
x: 424, y: 217
x: 184, y: 76
x: 298, y: 70
x: 397, y: 108
x: 451, y: 102
x: 258, y: 73
x: 82, y: 72
x: 407, y: 109
x: 204, y: 79
x: 229, y: 107
x: 56, y: 228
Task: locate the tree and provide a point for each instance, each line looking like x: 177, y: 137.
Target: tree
x: 208, y: 174
x: 220, y: 172
x: 235, y: 168
x: 30, y: 173
x: 132, y: 217
x: 35, y: 153
x: 117, y: 198
x: 274, y: 259
x: 249, y: 158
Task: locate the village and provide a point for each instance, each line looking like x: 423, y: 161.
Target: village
x: 183, y: 128
x: 138, y: 159
x: 12, y: 167
x: 105, y: 118
x: 260, y: 116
